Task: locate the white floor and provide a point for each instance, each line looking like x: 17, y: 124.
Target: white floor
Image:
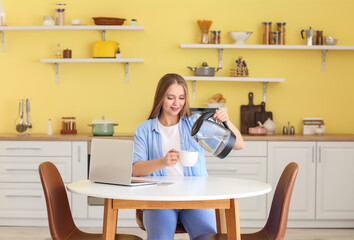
x: 42, y: 233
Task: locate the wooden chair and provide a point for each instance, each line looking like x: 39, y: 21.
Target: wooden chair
x: 139, y: 221
x: 61, y: 223
x: 275, y: 227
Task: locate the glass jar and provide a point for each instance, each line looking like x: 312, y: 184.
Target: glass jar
x: 215, y: 37
x: 48, y: 21
x: 275, y: 38
x: 266, y: 32
x: 281, y: 30
x: 60, y: 15
x: 319, y: 37
x: 204, y: 36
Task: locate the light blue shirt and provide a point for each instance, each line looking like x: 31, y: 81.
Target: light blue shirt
x: 147, y: 145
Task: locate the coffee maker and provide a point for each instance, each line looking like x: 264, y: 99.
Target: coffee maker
x: 310, y: 36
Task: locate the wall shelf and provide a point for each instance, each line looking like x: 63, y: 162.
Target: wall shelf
x: 323, y: 48
x: 56, y: 61
x: 233, y: 79
x: 103, y: 28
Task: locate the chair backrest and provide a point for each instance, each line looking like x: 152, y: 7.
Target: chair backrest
x: 278, y: 216
x: 61, y: 223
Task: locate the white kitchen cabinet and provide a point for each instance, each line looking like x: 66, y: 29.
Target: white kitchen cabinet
x: 323, y: 188
x: 21, y: 194
x: 250, y: 163
x: 302, y: 205
x: 335, y: 178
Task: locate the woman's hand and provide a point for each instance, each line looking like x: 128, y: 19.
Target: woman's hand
x: 221, y: 116
x: 171, y: 158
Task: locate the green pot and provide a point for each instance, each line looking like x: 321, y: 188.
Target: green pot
x: 103, y: 127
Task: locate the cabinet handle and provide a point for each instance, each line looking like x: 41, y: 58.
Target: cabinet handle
x: 79, y: 153
x: 223, y: 170
x: 22, y: 148
x: 22, y: 169
x: 313, y: 154
x: 31, y: 196
x: 319, y: 157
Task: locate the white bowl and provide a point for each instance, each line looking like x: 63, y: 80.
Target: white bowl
x: 240, y: 37
x: 215, y: 105
x: 330, y: 41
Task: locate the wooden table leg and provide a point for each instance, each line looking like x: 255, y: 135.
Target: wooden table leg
x: 220, y: 220
x: 233, y: 221
x: 109, y: 220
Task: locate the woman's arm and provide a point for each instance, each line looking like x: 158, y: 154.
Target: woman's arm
x: 221, y: 116
x: 143, y: 168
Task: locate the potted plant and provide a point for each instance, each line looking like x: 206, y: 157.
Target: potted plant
x: 134, y: 22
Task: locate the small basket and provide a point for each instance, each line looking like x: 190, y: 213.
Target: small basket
x: 108, y: 21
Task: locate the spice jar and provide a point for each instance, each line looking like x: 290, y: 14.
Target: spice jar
x: 319, y: 37
x: 281, y: 29
x: 60, y: 15
x: 48, y: 21
x: 275, y: 38
x: 215, y: 37
x: 66, y: 53
x: 266, y: 32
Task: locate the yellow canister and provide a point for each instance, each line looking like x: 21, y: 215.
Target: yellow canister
x: 104, y: 49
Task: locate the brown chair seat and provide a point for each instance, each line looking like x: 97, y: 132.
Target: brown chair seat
x: 61, y: 223
x: 139, y: 221
x: 275, y: 227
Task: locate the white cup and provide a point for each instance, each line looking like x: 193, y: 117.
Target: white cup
x: 188, y: 158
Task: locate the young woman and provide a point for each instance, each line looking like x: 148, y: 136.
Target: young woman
x: 156, y: 145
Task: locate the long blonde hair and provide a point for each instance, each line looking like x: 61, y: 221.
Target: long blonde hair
x: 165, y: 82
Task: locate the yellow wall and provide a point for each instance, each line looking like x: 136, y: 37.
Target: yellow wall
x: 90, y: 90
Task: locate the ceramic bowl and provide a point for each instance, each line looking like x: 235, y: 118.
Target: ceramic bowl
x: 215, y: 105
x: 240, y: 37
x: 330, y: 41
x: 257, y: 131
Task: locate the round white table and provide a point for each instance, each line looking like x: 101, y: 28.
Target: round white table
x: 178, y: 193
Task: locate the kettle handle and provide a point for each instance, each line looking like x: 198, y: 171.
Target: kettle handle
x: 209, y: 114
x: 302, y: 33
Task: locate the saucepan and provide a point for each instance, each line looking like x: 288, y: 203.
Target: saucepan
x: 204, y: 70
x: 103, y: 127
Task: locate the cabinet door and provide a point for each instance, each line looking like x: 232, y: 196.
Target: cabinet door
x: 335, y: 178
x: 80, y: 168
x: 302, y: 205
x: 252, y: 165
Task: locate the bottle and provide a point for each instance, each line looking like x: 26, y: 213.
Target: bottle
x: 49, y: 129
x: 266, y: 32
x: 281, y: 29
x: 2, y: 15
x: 58, y: 53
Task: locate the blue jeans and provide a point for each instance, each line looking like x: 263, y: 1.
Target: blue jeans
x: 160, y: 224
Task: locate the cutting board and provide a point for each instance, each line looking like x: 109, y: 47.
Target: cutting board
x: 248, y: 114
x: 263, y: 115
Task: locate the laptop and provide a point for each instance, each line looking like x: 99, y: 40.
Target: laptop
x: 111, y: 162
